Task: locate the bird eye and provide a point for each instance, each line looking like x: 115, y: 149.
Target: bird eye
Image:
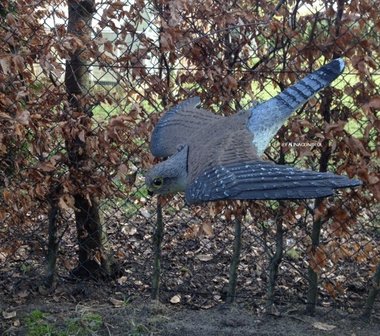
x: 157, y: 182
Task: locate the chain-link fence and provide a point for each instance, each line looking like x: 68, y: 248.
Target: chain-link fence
x: 82, y: 84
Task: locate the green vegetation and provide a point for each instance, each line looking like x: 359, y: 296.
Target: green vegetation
x: 39, y: 323
x: 87, y: 324
x: 37, y: 326
x: 293, y: 253
x: 119, y: 104
x: 105, y: 111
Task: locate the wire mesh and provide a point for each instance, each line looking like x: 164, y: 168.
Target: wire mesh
x: 140, y: 57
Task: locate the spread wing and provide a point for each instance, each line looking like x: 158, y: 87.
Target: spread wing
x: 177, y: 125
x: 227, y: 166
x: 260, y: 180
x: 267, y: 118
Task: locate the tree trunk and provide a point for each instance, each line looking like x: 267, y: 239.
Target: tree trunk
x: 93, y: 259
x: 77, y: 71
x: 317, y: 224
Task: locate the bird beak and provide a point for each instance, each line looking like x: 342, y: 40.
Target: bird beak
x: 150, y: 192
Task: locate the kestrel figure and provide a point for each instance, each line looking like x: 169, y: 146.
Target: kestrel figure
x: 212, y: 157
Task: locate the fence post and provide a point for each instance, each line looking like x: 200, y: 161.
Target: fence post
x: 312, y: 275
x: 157, y: 242
x: 373, y: 292
x: 234, y: 263
x: 53, y: 244
x: 275, y: 261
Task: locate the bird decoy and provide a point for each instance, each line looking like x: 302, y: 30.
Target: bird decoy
x: 213, y: 157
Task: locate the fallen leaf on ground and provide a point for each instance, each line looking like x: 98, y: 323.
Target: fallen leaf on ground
x: 323, y: 326
x: 176, y: 299
x: 205, y: 257
x: 122, y: 280
x: 9, y: 315
x: 117, y: 303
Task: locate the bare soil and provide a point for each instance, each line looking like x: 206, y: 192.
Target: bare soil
x: 144, y: 317
x: 235, y: 320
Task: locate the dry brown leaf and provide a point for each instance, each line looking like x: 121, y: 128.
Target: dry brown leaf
x: 329, y: 287
x: 46, y: 167
x: 374, y: 103
x: 23, y: 294
x: 66, y: 202
x: 108, y: 46
x: 11, y: 20
x: 205, y: 257
x: 81, y: 136
x: 23, y: 117
x: 9, y: 314
x: 129, y: 231
x: 5, y: 116
x: 3, y: 256
x: 117, y: 303
x: 122, y: 170
x: 122, y: 280
x: 145, y: 212
x: 19, y: 63
x: 207, y: 229
x: 68, y: 264
x: 192, y: 231
x: 176, y: 299
x: 7, y: 196
x: 5, y: 63
x: 323, y: 326
x: 318, y: 259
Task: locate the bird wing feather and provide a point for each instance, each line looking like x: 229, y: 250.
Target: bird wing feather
x: 178, y: 125
x: 267, y: 118
x: 261, y: 180
x: 223, y: 142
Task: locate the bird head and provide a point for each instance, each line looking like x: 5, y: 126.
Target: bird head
x: 170, y: 176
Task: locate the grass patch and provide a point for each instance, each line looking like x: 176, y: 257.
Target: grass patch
x: 38, y: 326
x: 39, y: 323
x: 88, y: 324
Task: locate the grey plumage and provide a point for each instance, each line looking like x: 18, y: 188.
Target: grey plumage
x: 267, y: 118
x: 213, y: 157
